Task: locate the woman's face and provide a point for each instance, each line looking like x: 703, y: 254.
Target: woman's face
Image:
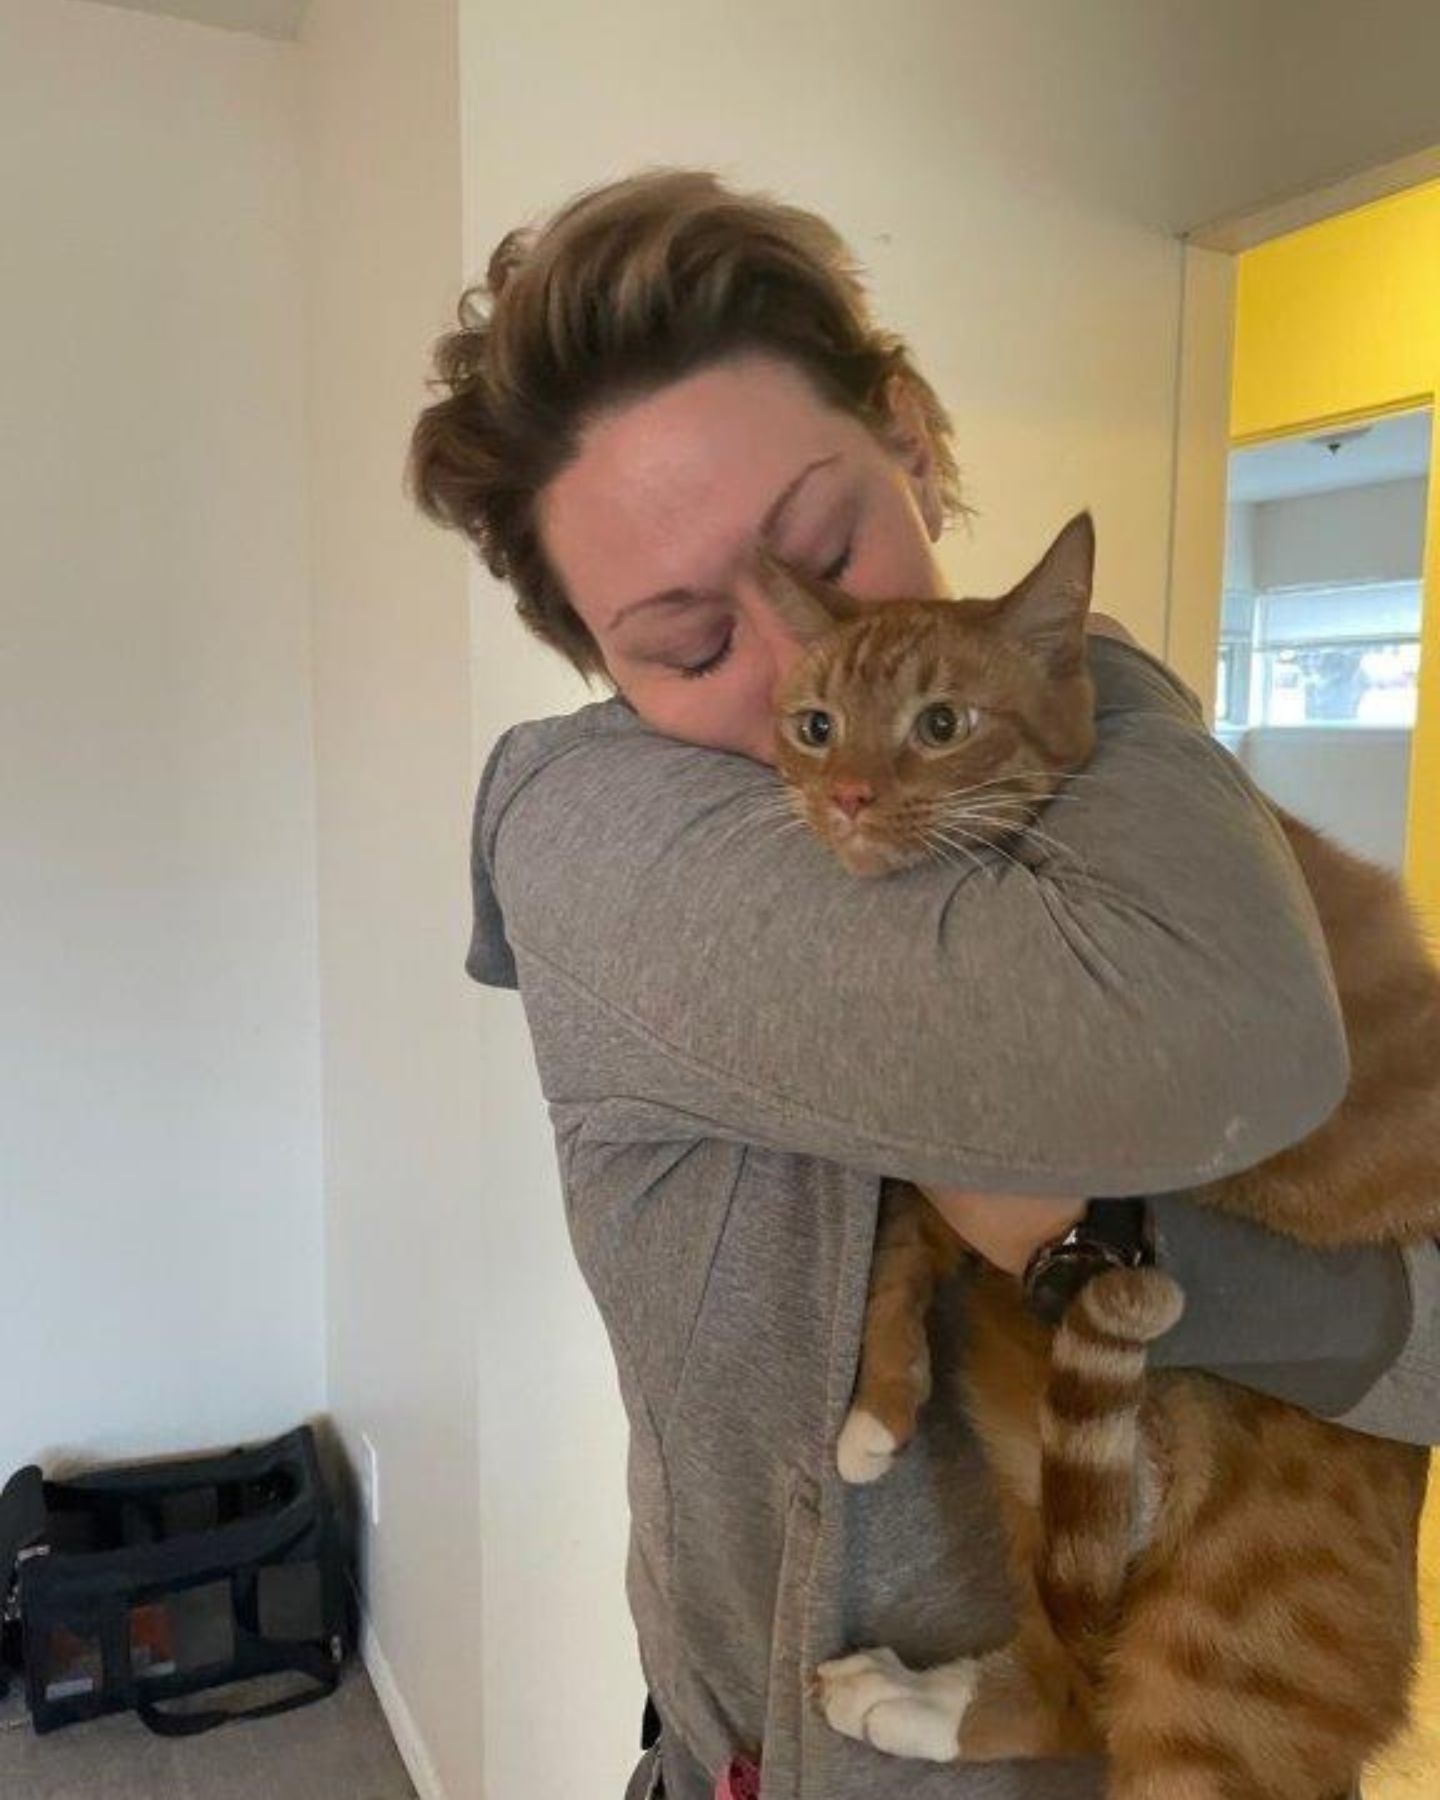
x: 653, y: 528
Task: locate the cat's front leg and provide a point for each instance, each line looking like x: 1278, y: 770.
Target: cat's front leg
x: 914, y: 1249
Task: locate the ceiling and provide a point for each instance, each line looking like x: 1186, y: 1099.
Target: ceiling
x: 1240, y: 116
x: 1392, y: 449
x: 264, y: 18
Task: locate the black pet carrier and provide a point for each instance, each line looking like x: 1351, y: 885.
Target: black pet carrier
x: 129, y: 1587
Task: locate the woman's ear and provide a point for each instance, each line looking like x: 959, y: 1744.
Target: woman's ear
x: 908, y: 436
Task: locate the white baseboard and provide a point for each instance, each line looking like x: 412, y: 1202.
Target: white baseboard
x: 408, y: 1741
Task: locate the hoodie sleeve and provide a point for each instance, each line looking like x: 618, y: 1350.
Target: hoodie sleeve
x: 1139, y: 1001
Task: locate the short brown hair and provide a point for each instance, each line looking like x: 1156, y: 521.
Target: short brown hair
x: 627, y: 287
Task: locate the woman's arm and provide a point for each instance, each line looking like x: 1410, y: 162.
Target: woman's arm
x: 1404, y: 1399
x: 1350, y: 1335
x: 1143, y: 1003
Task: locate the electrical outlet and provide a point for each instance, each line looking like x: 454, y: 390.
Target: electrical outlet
x: 370, y: 1478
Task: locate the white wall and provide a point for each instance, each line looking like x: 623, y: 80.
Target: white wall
x: 267, y: 18
x: 1371, y: 533
x: 1353, y: 784
x: 1240, y: 547
x: 160, y: 1227
x: 420, y: 1177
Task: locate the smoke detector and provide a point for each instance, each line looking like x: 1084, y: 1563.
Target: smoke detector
x: 1335, y: 441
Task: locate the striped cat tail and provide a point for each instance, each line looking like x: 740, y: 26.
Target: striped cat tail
x: 1090, y: 1445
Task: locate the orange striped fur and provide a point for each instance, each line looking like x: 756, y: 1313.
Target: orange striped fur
x: 1212, y: 1587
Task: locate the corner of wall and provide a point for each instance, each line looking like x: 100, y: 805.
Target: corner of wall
x: 408, y: 1740
x: 1202, y: 435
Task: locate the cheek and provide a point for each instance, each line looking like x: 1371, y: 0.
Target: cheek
x: 729, y: 710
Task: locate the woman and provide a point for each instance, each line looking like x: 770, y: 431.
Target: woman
x: 738, y: 1039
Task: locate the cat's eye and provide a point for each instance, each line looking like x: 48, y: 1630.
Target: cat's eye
x: 814, y: 729
x: 942, y: 724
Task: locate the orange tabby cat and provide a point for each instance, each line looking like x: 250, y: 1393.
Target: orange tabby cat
x: 1214, y: 1588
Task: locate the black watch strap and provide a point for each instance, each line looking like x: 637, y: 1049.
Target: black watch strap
x: 1113, y: 1234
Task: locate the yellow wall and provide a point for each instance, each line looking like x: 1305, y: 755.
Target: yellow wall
x: 1344, y: 319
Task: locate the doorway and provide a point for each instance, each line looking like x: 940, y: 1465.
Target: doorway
x: 1328, y: 667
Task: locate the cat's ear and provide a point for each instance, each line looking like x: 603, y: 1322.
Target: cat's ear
x: 812, y: 609
x: 1046, y: 611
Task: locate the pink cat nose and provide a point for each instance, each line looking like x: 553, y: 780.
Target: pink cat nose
x: 850, y: 796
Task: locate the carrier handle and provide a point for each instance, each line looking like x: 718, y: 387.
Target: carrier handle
x: 302, y: 1659
x: 23, y: 1522
x: 23, y: 1518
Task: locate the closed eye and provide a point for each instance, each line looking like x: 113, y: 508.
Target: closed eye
x: 838, y: 567
x: 693, y: 671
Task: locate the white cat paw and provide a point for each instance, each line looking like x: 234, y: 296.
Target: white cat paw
x: 872, y: 1697
x: 866, y: 1448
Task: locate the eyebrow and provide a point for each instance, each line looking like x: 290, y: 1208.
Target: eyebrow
x: 773, y: 513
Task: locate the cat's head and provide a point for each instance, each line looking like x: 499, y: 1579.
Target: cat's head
x: 924, y: 728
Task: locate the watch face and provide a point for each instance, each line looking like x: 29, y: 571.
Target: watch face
x: 1114, y: 1234
x: 1057, y: 1284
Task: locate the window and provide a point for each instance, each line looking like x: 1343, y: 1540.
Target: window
x: 1323, y: 656
x: 1232, y: 705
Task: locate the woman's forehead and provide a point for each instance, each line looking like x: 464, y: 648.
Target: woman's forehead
x: 667, y: 489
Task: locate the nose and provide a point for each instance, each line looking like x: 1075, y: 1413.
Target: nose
x: 851, y: 796
x: 782, y: 647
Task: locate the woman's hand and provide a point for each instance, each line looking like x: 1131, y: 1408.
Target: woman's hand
x: 1006, y: 1229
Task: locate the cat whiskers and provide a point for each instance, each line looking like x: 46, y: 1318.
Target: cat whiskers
x: 1046, y: 792
x: 999, y: 855
x: 997, y: 806
x: 1016, y: 822
x: 937, y: 842
x: 1014, y: 826
x: 994, y: 826
x: 1002, y: 781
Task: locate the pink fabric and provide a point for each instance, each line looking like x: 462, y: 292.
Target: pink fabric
x: 741, y: 1781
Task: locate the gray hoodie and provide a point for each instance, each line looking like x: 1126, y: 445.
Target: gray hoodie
x: 738, y: 1040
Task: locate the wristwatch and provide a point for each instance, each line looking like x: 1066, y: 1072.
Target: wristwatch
x: 1113, y: 1234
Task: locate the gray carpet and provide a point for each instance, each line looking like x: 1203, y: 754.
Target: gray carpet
x: 338, y: 1749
